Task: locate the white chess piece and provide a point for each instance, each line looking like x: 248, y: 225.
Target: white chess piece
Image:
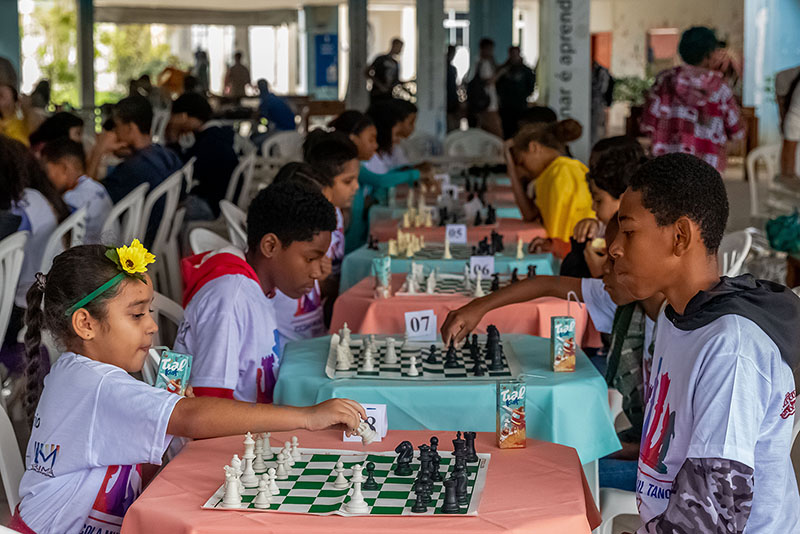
x: 467, y: 281
x: 232, y: 497
x: 421, y: 242
x: 287, y: 453
x: 236, y: 463
x: 340, y: 482
x: 295, y: 450
x: 405, y: 341
x: 412, y: 369
x: 367, y: 364
x: 478, y: 286
x: 266, y: 447
x: 357, y: 504
x: 262, y: 500
x: 410, y: 199
x: 410, y: 249
x: 372, y: 343
x: 392, y: 247
x: 345, y: 334
x: 258, y: 463
x: 428, y: 219
x: 406, y: 220
x: 430, y: 288
x: 273, y: 487
x: 342, y: 357
x: 447, y: 255
x: 411, y: 285
x: 520, y: 253
x: 391, y: 351
x: 281, y: 473
x: 366, y: 433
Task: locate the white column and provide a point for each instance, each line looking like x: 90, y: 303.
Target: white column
x: 564, y: 65
x: 357, y: 97
x: 241, y: 43
x: 431, y: 68
x: 86, y: 51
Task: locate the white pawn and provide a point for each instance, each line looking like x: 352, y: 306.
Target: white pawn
x: 367, y: 364
x: 391, y: 352
x: 340, y: 482
x: 520, y: 253
x: 410, y: 250
x: 281, y: 473
x: 295, y: 450
x: 405, y: 342
x: 428, y: 219
x: 406, y: 220
x: 258, y: 463
x: 232, y: 497
x: 273, y: 487
x: 478, y: 286
x: 287, y: 453
x: 266, y: 447
x: 412, y: 369
x: 236, y: 463
x: 262, y: 500
x: 447, y: 255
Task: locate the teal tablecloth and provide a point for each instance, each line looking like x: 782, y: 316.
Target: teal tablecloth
x: 358, y: 265
x: 380, y: 213
x: 565, y: 408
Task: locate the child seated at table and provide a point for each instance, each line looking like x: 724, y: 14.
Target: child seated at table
x: 721, y: 399
x: 94, y: 424
x: 613, y: 311
x: 229, y: 325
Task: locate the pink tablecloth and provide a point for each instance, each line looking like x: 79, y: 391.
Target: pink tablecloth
x: 386, y: 229
x: 367, y: 315
x: 538, y: 489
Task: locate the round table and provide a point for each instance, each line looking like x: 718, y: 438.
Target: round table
x: 566, y: 408
x: 537, y: 489
x: 510, y: 229
x: 365, y: 314
x: 358, y: 264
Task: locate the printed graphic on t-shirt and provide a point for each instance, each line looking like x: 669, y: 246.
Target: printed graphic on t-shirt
x: 121, y: 486
x: 266, y: 373
x: 44, y: 458
x: 788, y: 405
x: 658, y: 431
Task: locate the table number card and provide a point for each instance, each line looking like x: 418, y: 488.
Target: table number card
x: 457, y: 234
x: 376, y: 416
x: 421, y: 325
x: 482, y: 264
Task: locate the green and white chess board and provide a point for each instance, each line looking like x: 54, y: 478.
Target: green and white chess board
x: 309, y: 488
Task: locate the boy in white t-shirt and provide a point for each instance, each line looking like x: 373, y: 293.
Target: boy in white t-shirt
x: 230, y: 324
x: 65, y: 162
x: 714, y: 456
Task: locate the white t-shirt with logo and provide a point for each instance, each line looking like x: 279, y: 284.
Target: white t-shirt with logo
x: 602, y: 309
x: 229, y: 328
x: 721, y: 391
x: 299, y: 318
x: 94, y: 196
x: 94, y: 424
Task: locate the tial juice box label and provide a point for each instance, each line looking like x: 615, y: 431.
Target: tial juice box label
x: 174, y: 371
x: 562, y: 343
x: 511, y: 415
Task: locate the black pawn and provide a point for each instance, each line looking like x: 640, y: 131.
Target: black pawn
x: 514, y: 276
x: 531, y: 271
x: 451, y: 360
x: 472, y: 455
x: 478, y: 220
x: 491, y: 215
x: 450, y: 505
x: 419, y: 506
x: 475, y: 340
x: 474, y: 251
x: 478, y: 369
x: 432, y: 356
x: 370, y: 483
x: 436, y: 460
x: 495, y: 282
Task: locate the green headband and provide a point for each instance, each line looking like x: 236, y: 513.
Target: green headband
x: 132, y: 262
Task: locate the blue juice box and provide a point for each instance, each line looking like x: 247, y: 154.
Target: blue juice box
x: 511, y: 414
x: 174, y: 371
x: 562, y: 343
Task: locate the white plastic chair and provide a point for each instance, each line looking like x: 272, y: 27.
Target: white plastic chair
x: 75, y: 225
x: 203, y: 240
x: 11, y: 466
x: 733, y: 252
x: 170, y: 191
x: 474, y: 144
x: 167, y: 309
x: 769, y: 155
x: 125, y: 218
x: 159, y: 125
x: 12, y: 252
x: 421, y: 146
x: 236, y: 221
x: 242, y: 179
x: 188, y: 174
x: 279, y: 149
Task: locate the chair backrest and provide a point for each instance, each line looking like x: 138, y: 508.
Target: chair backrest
x: 203, y: 240
x: 236, y: 221
x: 474, y: 143
x: 167, y: 269
x: 159, y: 125
x: 287, y: 146
x: 170, y: 190
x: 188, y: 173
x: 75, y: 225
x: 125, y: 218
x: 769, y: 155
x: 242, y: 179
x: 243, y: 146
x: 165, y: 309
x: 11, y: 466
x: 420, y: 146
x: 12, y: 252
x: 733, y: 252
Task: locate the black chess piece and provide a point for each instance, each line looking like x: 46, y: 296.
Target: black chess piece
x: 451, y: 360
x: 478, y: 220
x: 497, y: 239
x: 370, y: 483
x: 477, y: 369
x: 460, y: 474
x: 436, y: 460
x: 443, y: 216
x: 472, y: 454
x: 483, y: 247
x: 432, y: 359
x: 474, y: 251
x: 458, y: 444
x: 372, y: 243
x: 450, y: 505
x: 495, y: 282
x: 475, y: 340
x: 491, y: 215
x: 405, y: 453
x: 531, y: 271
x: 419, y: 506
x: 514, y: 276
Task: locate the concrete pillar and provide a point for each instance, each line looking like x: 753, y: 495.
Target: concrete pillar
x: 493, y: 19
x: 564, y: 65
x: 86, y: 51
x: 357, y: 97
x: 431, y: 68
x: 241, y: 43
x: 9, y: 35
x: 322, y: 46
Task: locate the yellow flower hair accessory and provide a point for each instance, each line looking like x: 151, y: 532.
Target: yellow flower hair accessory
x: 131, y: 260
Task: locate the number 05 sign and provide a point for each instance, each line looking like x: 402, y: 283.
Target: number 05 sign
x: 421, y: 325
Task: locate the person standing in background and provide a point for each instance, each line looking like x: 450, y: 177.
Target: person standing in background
x: 481, y: 91
x: 602, y: 98
x: 385, y: 72
x: 237, y: 78
x: 200, y: 70
x: 452, y: 90
x: 515, y: 83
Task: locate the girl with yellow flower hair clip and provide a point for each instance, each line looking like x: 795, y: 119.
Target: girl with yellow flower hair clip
x: 94, y: 422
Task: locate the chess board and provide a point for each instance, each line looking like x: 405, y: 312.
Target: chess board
x: 427, y: 371
x: 433, y: 251
x: 309, y: 488
x: 448, y: 285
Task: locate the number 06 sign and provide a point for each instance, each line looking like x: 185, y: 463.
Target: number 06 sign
x: 421, y: 325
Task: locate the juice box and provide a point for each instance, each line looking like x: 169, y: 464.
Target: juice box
x: 173, y: 372
x: 511, y: 414
x: 562, y: 343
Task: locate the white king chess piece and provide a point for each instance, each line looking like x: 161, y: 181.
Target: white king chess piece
x: 345, y: 334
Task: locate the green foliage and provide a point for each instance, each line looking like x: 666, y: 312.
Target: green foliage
x: 631, y: 89
x: 133, y: 53
x: 58, y: 22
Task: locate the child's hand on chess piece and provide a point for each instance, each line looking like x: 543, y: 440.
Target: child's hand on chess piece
x: 586, y: 230
x: 462, y: 321
x: 335, y: 412
x: 540, y: 245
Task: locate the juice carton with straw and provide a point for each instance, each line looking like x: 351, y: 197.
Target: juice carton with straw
x: 511, y: 414
x: 174, y: 371
x: 562, y: 340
